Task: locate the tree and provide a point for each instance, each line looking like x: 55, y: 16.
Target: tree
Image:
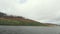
x: 2, y: 14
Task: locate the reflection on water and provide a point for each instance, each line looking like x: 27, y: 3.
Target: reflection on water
x: 29, y: 30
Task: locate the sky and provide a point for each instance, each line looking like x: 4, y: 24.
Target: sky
x: 44, y: 11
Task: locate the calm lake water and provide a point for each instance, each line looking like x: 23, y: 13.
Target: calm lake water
x: 29, y: 30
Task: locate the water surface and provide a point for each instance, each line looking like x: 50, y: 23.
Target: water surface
x: 29, y: 30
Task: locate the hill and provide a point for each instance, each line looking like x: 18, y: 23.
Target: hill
x: 17, y: 20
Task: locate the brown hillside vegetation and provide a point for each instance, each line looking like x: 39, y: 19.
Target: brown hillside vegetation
x: 11, y: 17
x: 19, y: 19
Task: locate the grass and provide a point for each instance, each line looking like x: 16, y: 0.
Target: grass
x: 19, y: 23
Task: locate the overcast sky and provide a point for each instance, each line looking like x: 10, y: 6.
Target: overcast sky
x: 45, y: 11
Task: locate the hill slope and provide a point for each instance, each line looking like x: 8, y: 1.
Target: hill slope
x: 18, y: 20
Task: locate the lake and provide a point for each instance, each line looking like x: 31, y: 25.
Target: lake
x: 29, y: 30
